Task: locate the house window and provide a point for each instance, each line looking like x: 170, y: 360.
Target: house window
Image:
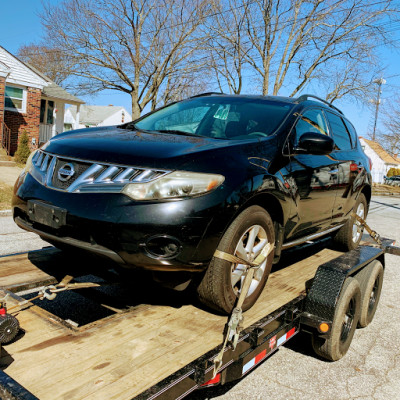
x: 15, y: 99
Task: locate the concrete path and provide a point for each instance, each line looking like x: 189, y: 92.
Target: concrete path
x: 9, y: 175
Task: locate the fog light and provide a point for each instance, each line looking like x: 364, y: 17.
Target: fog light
x: 163, y: 246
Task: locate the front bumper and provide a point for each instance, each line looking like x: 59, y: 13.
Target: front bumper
x: 127, y: 231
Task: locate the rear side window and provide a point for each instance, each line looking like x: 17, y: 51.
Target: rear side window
x: 352, y: 131
x: 339, y: 132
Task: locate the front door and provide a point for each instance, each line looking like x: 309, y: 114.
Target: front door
x: 315, y: 177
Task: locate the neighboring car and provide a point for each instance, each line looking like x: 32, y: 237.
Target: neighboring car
x: 393, y: 180
x: 211, y: 172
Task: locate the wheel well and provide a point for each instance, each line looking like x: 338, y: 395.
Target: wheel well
x: 270, y: 204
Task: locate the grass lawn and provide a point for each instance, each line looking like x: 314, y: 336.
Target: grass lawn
x: 5, y: 196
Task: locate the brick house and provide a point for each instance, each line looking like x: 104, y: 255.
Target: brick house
x: 31, y: 102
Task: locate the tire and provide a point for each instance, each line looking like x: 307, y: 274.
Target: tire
x: 220, y: 286
x: 347, y: 314
x: 349, y: 235
x: 370, y: 279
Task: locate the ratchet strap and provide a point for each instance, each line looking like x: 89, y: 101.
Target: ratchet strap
x: 235, y: 323
x: 50, y: 292
x: 371, y: 232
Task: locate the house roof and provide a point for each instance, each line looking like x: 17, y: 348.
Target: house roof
x: 93, y: 115
x: 23, y: 73
x: 378, y: 149
x: 20, y: 73
x: 54, y: 91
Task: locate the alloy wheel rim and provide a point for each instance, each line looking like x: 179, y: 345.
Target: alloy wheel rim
x: 357, y: 227
x: 248, y: 248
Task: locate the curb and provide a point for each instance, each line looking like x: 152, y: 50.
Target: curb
x: 5, y: 213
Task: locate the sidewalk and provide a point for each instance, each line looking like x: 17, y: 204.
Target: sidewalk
x: 9, y: 175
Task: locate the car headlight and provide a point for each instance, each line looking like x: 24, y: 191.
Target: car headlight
x: 174, y: 185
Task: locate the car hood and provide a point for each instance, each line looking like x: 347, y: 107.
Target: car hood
x: 144, y: 149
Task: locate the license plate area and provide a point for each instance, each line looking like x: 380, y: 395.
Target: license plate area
x: 46, y: 214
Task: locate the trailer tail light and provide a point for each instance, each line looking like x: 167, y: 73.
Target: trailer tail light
x: 323, y: 327
x: 214, y: 381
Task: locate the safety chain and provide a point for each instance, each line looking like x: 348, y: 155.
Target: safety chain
x: 235, y: 323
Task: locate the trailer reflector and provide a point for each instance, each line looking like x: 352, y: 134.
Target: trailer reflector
x: 259, y: 357
x: 213, y: 381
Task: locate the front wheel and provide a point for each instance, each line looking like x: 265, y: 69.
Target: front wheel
x: 246, y: 237
x: 349, y: 235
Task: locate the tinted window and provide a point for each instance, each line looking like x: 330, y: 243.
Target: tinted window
x: 311, y: 121
x: 219, y: 117
x: 339, y: 132
x: 352, y: 130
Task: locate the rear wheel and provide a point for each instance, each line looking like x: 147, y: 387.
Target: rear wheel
x: 245, y: 238
x: 347, y: 314
x: 349, y: 235
x: 370, y: 279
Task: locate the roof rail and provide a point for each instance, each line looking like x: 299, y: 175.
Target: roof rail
x: 305, y: 97
x: 205, y: 94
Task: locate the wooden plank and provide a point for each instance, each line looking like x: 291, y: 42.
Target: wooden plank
x: 132, y: 351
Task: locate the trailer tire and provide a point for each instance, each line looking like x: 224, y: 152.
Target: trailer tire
x: 349, y: 235
x: 217, y: 289
x: 370, y: 279
x: 347, y: 314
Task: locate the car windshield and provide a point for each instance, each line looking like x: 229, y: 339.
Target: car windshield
x: 218, y: 117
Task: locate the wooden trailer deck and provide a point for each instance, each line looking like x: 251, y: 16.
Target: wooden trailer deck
x: 120, y: 356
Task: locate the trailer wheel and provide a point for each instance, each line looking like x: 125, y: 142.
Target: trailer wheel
x: 370, y: 279
x: 347, y: 314
x: 245, y: 237
x: 349, y: 235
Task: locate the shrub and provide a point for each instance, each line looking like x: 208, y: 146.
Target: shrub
x: 23, y: 151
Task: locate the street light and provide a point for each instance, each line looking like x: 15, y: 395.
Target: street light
x: 379, y: 82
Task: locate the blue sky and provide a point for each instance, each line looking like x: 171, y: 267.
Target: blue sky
x: 24, y: 14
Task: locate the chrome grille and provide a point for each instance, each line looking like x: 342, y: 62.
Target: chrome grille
x: 87, y: 176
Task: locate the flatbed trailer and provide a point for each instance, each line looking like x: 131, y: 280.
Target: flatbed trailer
x: 163, y: 351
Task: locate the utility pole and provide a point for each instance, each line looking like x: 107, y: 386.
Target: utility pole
x: 379, y: 82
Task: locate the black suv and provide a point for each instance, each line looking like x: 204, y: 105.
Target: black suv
x: 211, y: 172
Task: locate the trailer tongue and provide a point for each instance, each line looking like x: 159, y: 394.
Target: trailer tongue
x: 163, y: 352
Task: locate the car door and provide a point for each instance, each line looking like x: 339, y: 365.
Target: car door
x: 315, y: 178
x: 350, y: 168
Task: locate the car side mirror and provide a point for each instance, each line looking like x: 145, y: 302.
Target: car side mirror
x: 314, y: 143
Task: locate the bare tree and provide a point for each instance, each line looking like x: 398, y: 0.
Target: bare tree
x: 390, y: 136
x: 227, y: 46
x: 130, y: 46
x: 48, y: 60
x: 295, y: 42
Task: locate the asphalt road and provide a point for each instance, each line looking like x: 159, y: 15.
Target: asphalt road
x: 371, y: 368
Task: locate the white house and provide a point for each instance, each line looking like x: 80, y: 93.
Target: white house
x: 29, y: 102
x: 382, y: 161
x: 96, y: 116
